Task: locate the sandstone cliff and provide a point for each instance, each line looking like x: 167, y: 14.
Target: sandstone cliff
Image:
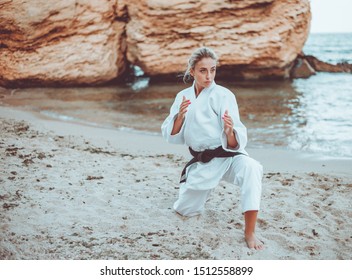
x: 48, y: 42
x: 254, y: 38
x: 60, y: 42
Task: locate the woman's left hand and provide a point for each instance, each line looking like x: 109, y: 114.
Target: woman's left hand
x: 228, y: 128
x: 228, y: 123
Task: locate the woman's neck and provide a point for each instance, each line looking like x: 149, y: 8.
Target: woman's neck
x: 198, y: 89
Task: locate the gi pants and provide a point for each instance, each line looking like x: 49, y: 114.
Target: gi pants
x: 244, y: 171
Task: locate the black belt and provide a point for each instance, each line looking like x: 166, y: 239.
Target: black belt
x: 206, y: 156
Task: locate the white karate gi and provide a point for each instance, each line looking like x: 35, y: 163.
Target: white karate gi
x: 203, y: 129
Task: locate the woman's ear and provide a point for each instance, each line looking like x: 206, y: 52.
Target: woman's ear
x: 191, y: 72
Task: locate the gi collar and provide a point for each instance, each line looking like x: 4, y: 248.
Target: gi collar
x: 213, y: 84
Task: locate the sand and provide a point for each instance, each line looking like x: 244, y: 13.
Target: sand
x: 70, y: 191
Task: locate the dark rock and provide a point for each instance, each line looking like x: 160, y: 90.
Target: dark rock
x: 302, y: 69
x: 307, y: 65
x: 321, y: 66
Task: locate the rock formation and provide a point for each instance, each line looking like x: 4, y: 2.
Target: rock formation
x: 307, y: 65
x: 302, y: 69
x: 253, y: 38
x: 48, y: 42
x: 321, y: 66
x: 60, y: 42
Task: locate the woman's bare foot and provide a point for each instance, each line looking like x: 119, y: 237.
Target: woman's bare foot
x: 253, y: 242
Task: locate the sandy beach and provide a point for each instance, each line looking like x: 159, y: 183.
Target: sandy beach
x: 70, y: 191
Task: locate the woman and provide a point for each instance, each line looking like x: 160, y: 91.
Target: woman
x: 205, y: 117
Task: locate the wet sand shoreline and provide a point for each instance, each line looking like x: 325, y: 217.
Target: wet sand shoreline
x: 299, y: 115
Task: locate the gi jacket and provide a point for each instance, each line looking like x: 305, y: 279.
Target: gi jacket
x: 203, y: 128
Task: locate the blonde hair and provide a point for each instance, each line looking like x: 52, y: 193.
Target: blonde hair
x: 196, y: 56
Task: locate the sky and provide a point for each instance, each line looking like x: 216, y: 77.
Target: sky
x: 331, y: 16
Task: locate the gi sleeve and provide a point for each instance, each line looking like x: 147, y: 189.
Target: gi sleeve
x: 168, y: 124
x: 229, y: 103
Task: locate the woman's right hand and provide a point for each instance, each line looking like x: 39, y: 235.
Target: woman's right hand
x: 180, y: 116
x: 183, y: 108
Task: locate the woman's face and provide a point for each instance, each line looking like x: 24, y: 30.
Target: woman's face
x: 204, y: 72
